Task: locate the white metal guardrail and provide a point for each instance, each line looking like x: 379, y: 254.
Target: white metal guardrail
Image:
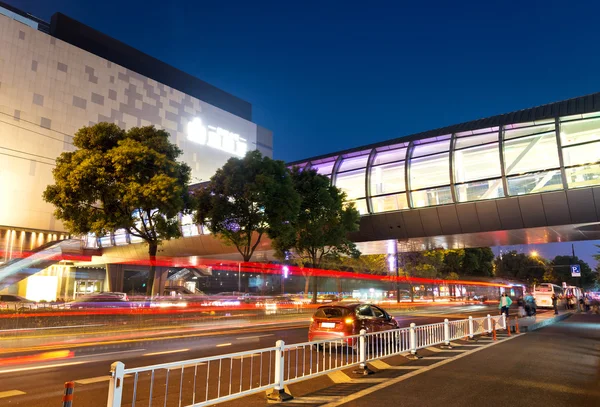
x: 211, y: 380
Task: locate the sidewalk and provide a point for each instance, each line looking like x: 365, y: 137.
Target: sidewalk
x: 540, y: 320
x: 555, y: 366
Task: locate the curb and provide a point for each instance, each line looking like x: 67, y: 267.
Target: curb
x: 546, y: 322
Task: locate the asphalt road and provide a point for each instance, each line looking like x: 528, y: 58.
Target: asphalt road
x: 40, y: 383
x: 552, y: 367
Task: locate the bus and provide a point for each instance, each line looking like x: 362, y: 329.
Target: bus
x: 543, y: 295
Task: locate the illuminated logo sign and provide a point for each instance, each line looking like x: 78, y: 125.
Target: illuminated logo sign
x: 216, y: 137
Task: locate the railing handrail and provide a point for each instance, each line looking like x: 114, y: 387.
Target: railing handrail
x: 412, y: 339
x: 190, y: 362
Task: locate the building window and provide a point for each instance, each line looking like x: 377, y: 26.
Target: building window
x: 531, y: 153
x: 324, y: 168
x: 478, y: 190
x: 580, y: 141
x: 477, y: 163
x: 188, y: 227
x: 535, y: 183
x: 430, y: 171
x: 583, y: 176
x: 386, y: 203
x: 120, y: 237
x: 431, y: 197
x: 387, y: 178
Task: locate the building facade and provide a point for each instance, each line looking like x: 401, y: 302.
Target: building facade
x: 60, y: 76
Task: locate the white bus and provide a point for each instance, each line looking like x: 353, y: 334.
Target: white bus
x: 543, y: 295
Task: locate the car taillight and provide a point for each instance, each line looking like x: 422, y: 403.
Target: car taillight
x: 349, y: 321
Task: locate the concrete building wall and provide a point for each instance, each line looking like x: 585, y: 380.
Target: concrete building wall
x: 49, y: 89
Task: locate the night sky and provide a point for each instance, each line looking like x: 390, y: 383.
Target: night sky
x: 331, y: 75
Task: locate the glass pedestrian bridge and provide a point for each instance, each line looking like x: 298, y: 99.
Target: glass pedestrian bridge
x: 486, y: 159
x: 534, y: 168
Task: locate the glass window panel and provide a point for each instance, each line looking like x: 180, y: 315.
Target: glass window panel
x: 91, y: 242
x: 106, y: 241
x: 477, y: 163
x: 383, y: 157
x: 478, y: 190
x: 580, y: 132
x: 510, y: 134
x: 324, y: 168
x: 353, y: 163
x: 135, y: 239
x: 535, y: 183
x: 431, y: 148
x: 531, y: 154
x: 188, y: 227
x: 582, y: 154
x: 389, y: 203
x: 430, y: 171
x: 360, y: 205
x: 121, y: 237
x: 352, y: 183
x: 584, y: 176
x: 388, y: 178
x: 431, y: 197
x: 463, y: 142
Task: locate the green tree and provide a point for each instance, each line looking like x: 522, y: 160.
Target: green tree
x: 478, y: 262
x: 322, y: 225
x: 246, y: 199
x: 120, y: 179
x: 560, y: 271
x: 521, y: 267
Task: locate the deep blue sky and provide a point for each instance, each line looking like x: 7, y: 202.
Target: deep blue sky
x: 331, y: 75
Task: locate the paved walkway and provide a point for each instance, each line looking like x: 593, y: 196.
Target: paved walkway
x: 555, y: 366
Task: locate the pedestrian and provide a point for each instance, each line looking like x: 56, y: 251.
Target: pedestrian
x: 504, y: 304
x: 555, y: 304
x: 521, y: 305
x: 586, y: 302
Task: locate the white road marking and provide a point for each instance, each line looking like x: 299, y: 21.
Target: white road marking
x: 401, y: 367
x: 10, y: 393
x: 93, y: 380
x: 24, y: 369
x: 166, y: 352
x: 434, y: 349
x: 437, y: 357
x: 391, y: 382
x: 254, y: 337
x: 313, y: 400
x: 223, y: 344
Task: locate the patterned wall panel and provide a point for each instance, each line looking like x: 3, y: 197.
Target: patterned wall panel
x: 49, y: 89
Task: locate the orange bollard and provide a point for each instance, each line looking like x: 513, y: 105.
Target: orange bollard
x: 517, y: 325
x: 507, y: 322
x: 68, y: 397
x: 494, y: 330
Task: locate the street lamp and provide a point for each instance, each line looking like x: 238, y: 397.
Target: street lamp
x: 534, y: 253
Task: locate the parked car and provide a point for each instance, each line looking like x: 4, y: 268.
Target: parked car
x: 327, y: 298
x: 340, y: 320
x: 101, y: 300
x: 16, y: 302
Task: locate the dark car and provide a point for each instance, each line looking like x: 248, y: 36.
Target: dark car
x: 340, y: 320
x: 16, y: 302
x: 101, y: 300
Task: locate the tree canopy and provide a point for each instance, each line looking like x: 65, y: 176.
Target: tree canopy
x: 323, y: 222
x: 119, y: 179
x: 521, y: 267
x: 560, y: 271
x: 247, y: 198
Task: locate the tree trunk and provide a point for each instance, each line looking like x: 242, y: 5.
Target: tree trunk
x: 339, y: 287
x: 306, y: 284
x: 432, y: 292
x: 152, y: 250
x: 412, y: 293
x: 315, y: 289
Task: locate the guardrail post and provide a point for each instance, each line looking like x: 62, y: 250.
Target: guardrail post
x: 489, y: 321
x: 446, y: 344
x: 278, y: 394
x: 412, y: 338
x: 362, y: 355
x: 471, y: 329
x: 115, y: 389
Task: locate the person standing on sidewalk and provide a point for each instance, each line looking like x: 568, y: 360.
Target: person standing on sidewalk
x: 504, y: 304
x: 555, y: 304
